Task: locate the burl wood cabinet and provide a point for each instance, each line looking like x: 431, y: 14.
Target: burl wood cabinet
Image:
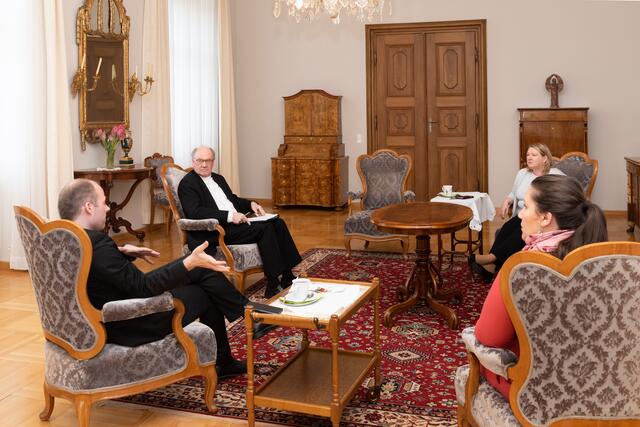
x: 562, y: 129
x: 311, y: 168
x: 633, y: 193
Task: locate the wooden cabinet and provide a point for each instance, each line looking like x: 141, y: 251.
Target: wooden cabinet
x: 562, y: 129
x: 633, y: 193
x: 311, y: 168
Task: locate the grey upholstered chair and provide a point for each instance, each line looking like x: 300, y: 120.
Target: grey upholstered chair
x: 580, y: 166
x: 578, y: 328
x: 156, y: 191
x: 242, y: 259
x: 384, y: 177
x: 79, y: 366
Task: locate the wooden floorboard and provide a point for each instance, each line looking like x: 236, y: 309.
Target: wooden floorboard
x: 21, y: 355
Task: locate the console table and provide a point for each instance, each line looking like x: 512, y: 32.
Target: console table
x: 633, y: 192
x: 105, y: 178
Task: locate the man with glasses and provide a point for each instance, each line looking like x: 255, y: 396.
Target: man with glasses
x: 205, y: 194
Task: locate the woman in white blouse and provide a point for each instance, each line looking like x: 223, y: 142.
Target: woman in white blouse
x: 509, y: 238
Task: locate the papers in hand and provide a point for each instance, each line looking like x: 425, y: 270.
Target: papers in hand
x: 265, y: 217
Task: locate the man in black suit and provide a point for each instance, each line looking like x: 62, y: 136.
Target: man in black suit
x: 205, y: 194
x: 195, y: 279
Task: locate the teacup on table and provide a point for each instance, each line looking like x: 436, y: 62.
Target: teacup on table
x: 447, y: 190
x: 299, y: 290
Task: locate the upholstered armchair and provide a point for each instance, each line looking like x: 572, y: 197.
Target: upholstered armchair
x: 578, y: 328
x: 580, y: 166
x: 156, y: 191
x: 79, y: 365
x: 384, y: 177
x: 241, y: 259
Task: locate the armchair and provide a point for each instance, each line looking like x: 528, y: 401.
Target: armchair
x: 156, y: 191
x: 577, y: 326
x: 241, y: 259
x: 384, y: 177
x: 79, y: 365
x: 580, y: 166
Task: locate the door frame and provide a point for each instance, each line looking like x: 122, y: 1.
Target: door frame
x: 479, y: 26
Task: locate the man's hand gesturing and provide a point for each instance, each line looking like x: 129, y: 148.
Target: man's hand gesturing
x: 139, y: 252
x: 199, y: 258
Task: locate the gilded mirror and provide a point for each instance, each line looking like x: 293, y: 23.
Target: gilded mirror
x: 102, y: 36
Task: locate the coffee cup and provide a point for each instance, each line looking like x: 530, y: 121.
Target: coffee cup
x: 447, y: 190
x: 299, y: 290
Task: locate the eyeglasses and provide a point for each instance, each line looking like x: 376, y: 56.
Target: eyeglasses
x: 204, y: 161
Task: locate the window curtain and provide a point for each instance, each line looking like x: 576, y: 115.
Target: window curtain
x: 193, y: 41
x: 228, y: 152
x: 156, y: 105
x: 35, y: 105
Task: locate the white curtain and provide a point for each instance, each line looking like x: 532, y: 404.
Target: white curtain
x: 35, y: 112
x: 228, y: 152
x: 194, y: 76
x: 156, y: 105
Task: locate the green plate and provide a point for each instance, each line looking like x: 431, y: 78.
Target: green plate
x: 315, y: 296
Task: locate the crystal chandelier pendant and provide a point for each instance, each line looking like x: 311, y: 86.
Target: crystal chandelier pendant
x: 363, y: 10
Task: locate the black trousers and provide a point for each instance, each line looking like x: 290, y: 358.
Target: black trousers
x: 276, y: 246
x: 209, y: 296
x: 508, y: 241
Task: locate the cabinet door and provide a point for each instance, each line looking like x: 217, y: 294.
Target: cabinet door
x: 314, y: 182
x: 560, y: 137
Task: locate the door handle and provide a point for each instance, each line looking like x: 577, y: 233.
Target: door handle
x: 429, y: 125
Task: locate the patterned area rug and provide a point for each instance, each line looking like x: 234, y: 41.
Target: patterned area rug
x: 419, y: 354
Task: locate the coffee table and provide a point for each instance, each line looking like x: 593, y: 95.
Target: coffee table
x: 318, y: 381
x: 423, y: 219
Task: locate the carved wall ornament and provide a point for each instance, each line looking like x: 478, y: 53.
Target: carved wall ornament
x: 554, y: 85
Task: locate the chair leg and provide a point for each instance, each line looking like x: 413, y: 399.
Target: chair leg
x: 153, y: 213
x: 49, y: 401
x: 405, y: 247
x: 347, y: 245
x: 366, y: 244
x: 167, y: 221
x: 83, y: 409
x: 240, y: 278
x: 210, y: 382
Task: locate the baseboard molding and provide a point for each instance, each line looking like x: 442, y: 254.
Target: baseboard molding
x: 616, y: 213
x: 4, y: 265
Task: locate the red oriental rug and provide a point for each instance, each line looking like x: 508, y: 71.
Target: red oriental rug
x: 419, y: 354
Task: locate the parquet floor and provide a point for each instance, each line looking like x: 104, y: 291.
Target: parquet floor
x: 21, y: 355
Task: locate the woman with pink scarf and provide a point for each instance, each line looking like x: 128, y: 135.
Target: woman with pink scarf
x: 556, y: 219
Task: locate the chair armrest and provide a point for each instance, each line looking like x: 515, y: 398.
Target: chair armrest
x: 409, y: 196
x: 497, y: 360
x: 136, y: 307
x: 208, y: 224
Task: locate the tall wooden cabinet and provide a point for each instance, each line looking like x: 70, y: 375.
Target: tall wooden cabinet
x: 562, y: 129
x: 311, y: 168
x: 633, y: 193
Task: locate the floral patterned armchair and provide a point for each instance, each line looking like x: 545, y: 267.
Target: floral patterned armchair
x: 384, y: 177
x: 156, y: 192
x: 580, y: 166
x: 578, y: 325
x: 79, y: 365
x: 242, y: 259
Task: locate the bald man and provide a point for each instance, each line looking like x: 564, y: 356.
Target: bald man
x: 205, y: 194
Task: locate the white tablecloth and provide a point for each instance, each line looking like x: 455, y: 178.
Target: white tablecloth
x: 481, y: 206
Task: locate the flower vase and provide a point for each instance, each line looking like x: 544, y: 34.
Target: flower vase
x: 110, y: 156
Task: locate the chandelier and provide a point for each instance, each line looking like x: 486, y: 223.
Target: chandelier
x: 363, y: 10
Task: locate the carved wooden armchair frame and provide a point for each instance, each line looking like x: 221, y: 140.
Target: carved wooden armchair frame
x: 589, y: 161
x: 157, y: 184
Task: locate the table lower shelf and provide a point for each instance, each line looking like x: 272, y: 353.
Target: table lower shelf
x: 304, y: 384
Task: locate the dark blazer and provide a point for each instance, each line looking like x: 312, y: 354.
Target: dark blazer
x: 198, y: 203
x: 113, y: 276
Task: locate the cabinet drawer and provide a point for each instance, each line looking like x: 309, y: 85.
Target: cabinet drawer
x: 553, y: 115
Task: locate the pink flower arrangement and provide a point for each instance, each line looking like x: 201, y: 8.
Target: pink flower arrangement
x: 112, y: 138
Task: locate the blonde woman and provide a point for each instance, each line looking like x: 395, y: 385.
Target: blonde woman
x: 509, y: 238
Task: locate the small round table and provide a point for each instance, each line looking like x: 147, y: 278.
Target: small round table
x: 423, y: 219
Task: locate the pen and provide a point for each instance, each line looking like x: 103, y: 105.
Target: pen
x: 248, y: 213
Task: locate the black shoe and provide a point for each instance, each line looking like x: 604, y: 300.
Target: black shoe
x: 270, y: 291
x: 486, y: 275
x: 231, y: 369
x: 286, y: 279
x: 261, y: 329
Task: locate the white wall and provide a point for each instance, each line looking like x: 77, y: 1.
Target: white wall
x: 592, y: 45
x: 95, y: 155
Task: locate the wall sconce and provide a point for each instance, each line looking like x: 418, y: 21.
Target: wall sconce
x: 80, y: 78
x: 135, y: 85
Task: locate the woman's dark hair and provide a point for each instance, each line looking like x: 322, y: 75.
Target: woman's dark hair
x: 563, y: 197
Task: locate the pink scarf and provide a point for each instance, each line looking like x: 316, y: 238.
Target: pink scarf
x: 546, y: 242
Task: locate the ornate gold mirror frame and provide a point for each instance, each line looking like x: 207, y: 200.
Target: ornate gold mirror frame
x: 103, y: 58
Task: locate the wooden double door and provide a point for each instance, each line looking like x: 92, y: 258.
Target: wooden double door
x: 426, y: 97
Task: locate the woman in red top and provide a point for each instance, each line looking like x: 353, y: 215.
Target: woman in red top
x: 557, y: 219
